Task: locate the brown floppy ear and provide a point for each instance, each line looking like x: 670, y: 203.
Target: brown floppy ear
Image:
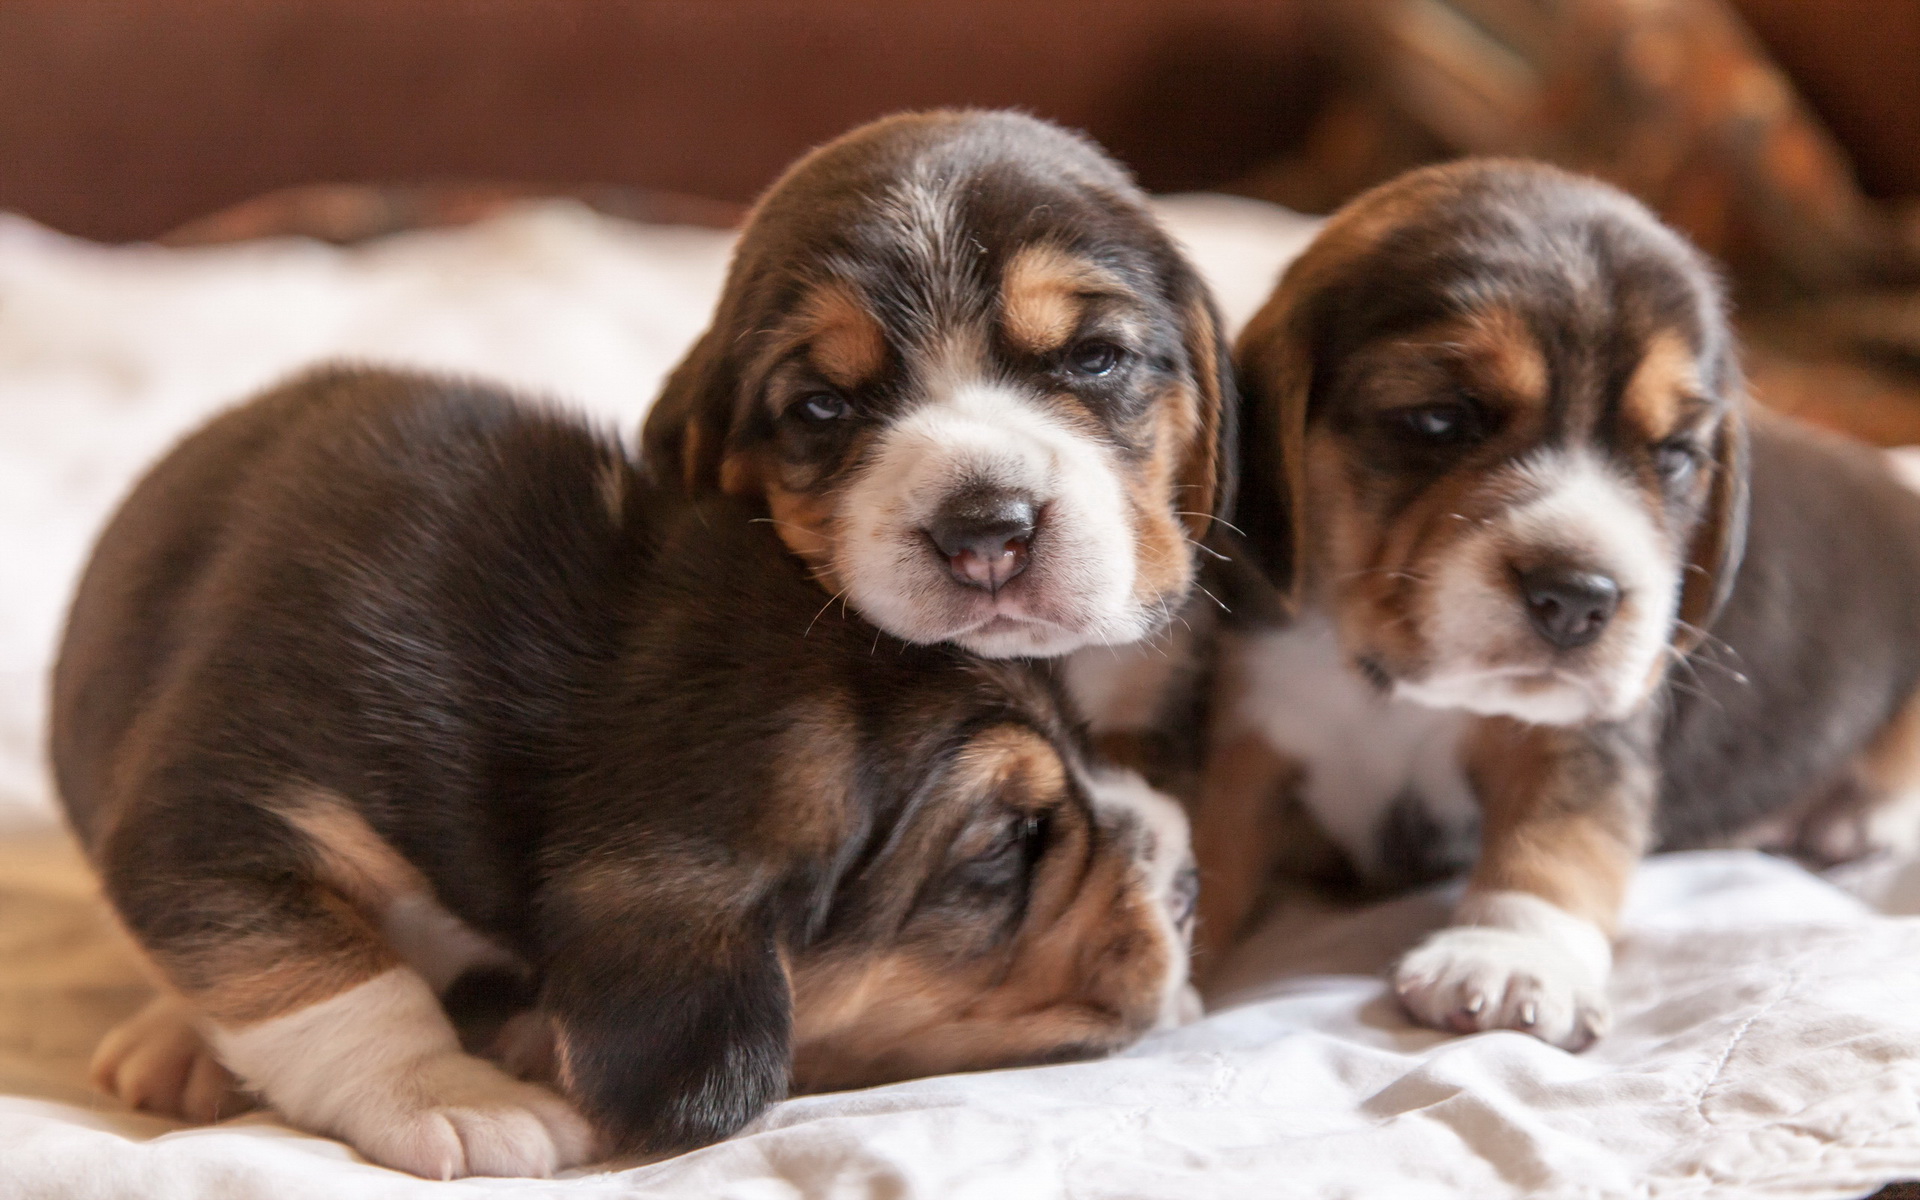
x: 1276, y: 379
x: 671, y: 1008
x: 684, y: 437
x: 1721, y: 541
x: 1209, y: 469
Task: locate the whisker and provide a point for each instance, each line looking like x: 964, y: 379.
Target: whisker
x: 1214, y: 519
x: 841, y: 596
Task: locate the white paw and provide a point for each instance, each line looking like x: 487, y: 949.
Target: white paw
x: 1469, y: 978
x: 454, y: 1115
x: 157, y: 1060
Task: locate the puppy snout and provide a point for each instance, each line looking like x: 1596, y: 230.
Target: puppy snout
x: 985, y: 535
x: 1568, y: 607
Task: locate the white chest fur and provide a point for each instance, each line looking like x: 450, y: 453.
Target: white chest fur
x: 1367, y: 760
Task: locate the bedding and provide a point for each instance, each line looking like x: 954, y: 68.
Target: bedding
x: 1768, y: 1040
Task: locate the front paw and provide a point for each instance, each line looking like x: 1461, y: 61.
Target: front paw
x: 453, y: 1115
x: 157, y: 1061
x: 1470, y: 978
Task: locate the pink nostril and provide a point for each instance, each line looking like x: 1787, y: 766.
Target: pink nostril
x: 988, y: 567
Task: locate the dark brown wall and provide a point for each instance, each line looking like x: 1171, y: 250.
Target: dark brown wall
x: 122, y: 118
x: 1858, y: 64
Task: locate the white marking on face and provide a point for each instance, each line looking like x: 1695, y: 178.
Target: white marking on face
x: 1077, y: 588
x: 1511, y: 960
x: 1487, y: 658
x: 379, y: 1065
x: 922, y: 211
x: 1167, y: 866
x: 1360, y: 752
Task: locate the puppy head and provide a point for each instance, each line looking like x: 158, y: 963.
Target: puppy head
x: 1006, y: 904
x: 829, y: 857
x: 1496, y: 429
x: 977, y: 388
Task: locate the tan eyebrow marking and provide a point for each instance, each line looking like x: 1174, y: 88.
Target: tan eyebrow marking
x: 1499, y: 345
x: 1043, y: 292
x: 1664, y: 388
x: 844, y: 340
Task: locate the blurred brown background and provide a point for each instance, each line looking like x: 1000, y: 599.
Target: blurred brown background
x: 1784, y: 135
x: 122, y: 118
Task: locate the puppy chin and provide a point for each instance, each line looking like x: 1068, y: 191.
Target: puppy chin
x: 918, y: 605
x: 1537, y: 693
x: 1534, y: 698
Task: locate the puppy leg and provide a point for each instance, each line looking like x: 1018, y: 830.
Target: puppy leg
x: 1874, y: 809
x: 380, y: 1065
x: 1232, y: 839
x: 1566, y: 814
x: 158, y: 1060
x: 304, y: 1001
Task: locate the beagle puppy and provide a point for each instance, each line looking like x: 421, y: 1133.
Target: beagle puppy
x: 1558, y: 597
x: 977, y: 389
x: 379, y: 680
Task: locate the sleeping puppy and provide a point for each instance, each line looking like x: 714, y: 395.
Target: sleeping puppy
x: 381, y: 678
x: 1498, y: 451
x: 976, y: 387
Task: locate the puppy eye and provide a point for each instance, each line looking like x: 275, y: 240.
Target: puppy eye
x: 1093, y: 357
x: 821, y: 407
x: 1676, y: 461
x: 1024, y: 837
x: 1450, y: 422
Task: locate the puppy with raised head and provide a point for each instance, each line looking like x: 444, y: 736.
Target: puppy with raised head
x: 378, y: 679
x: 974, y: 385
x: 1559, y: 596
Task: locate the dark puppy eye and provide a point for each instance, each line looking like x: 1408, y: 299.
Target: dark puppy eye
x: 1093, y: 357
x: 821, y: 407
x: 1677, y: 460
x: 1023, y: 839
x: 1448, y: 423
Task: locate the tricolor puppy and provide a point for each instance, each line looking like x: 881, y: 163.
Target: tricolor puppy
x: 973, y: 383
x: 1499, y: 452
x: 381, y: 678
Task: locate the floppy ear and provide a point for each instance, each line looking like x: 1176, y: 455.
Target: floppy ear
x: 684, y: 438
x: 672, y: 1012
x: 1209, y: 469
x: 1276, y: 378
x: 1721, y: 541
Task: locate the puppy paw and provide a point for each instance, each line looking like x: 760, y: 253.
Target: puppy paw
x: 1470, y: 978
x: 454, y: 1115
x: 158, y: 1061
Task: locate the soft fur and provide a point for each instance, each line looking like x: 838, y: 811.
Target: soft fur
x: 973, y: 383
x: 1551, y: 580
x: 379, y: 680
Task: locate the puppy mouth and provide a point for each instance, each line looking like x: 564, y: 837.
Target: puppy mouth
x: 1541, y: 694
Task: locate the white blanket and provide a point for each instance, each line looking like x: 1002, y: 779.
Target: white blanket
x: 1768, y: 1041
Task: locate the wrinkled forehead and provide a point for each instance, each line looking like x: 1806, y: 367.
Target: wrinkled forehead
x: 1558, y: 308
x: 939, y: 243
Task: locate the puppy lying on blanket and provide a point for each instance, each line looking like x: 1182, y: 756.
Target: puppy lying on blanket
x: 1499, y: 452
x: 975, y: 385
x: 380, y: 678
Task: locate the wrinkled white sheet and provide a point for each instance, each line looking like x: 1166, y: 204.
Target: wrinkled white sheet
x: 1768, y: 1041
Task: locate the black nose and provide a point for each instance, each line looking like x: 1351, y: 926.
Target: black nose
x: 1569, y: 608
x: 984, y: 534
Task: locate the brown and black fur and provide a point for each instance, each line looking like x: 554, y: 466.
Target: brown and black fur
x: 985, y: 243
x: 1560, y: 316
x: 374, y: 632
